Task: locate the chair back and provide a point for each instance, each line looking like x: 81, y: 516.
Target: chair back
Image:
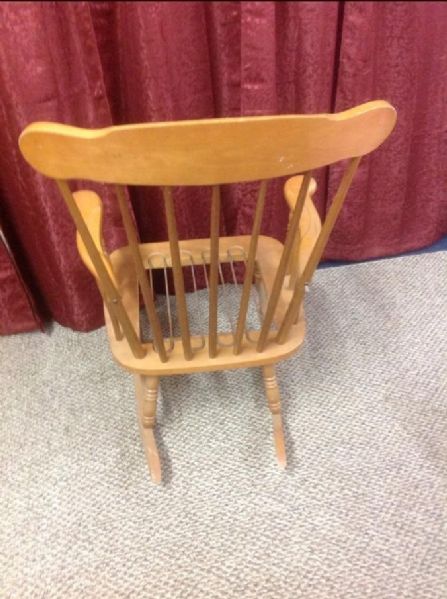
x: 208, y: 152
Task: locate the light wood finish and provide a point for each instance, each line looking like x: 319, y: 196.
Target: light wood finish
x: 146, y: 390
x: 214, y: 270
x: 206, y: 152
x: 106, y: 282
x: 283, y: 262
x: 143, y: 282
x: 331, y: 217
x: 90, y: 206
x: 274, y: 403
x: 309, y: 227
x: 317, y: 251
x: 268, y: 256
x: 91, y: 210
x: 177, y: 273
x: 250, y: 268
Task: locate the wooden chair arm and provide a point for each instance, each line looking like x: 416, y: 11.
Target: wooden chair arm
x: 309, y: 227
x: 91, y: 209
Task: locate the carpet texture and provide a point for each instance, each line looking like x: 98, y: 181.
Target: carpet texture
x: 360, y: 512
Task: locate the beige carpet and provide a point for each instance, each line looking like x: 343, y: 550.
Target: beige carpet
x: 360, y: 513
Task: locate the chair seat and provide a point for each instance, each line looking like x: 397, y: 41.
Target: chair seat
x: 268, y: 256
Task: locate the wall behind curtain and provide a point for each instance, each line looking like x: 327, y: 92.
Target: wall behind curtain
x: 92, y: 64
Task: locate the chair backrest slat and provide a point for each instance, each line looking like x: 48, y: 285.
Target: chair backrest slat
x: 214, y: 270
x: 179, y: 286
x: 282, y: 266
x: 317, y: 252
x: 140, y: 272
x: 113, y: 317
x: 208, y: 151
x: 250, y: 268
x: 331, y: 217
x: 106, y: 284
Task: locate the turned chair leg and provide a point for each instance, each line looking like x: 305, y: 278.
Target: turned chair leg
x: 274, y: 403
x: 147, y: 392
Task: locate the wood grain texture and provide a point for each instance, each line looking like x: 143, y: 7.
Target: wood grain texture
x: 268, y: 255
x: 143, y: 282
x: 146, y: 390
x: 282, y: 264
x: 250, y: 268
x: 179, y: 285
x: 90, y: 206
x: 108, y: 286
x: 214, y: 271
x: 317, y: 250
x: 274, y: 403
x: 208, y: 151
x: 308, y: 230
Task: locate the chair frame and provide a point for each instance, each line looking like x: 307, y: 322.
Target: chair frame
x: 206, y: 152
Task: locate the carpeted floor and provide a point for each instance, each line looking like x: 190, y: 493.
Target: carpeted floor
x: 360, y: 513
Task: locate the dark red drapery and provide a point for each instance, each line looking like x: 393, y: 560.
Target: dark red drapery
x: 93, y: 64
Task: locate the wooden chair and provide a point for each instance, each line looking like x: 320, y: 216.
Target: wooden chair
x: 206, y: 153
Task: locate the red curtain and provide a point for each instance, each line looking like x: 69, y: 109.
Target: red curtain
x: 15, y: 298
x: 398, y: 202
x: 93, y: 64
